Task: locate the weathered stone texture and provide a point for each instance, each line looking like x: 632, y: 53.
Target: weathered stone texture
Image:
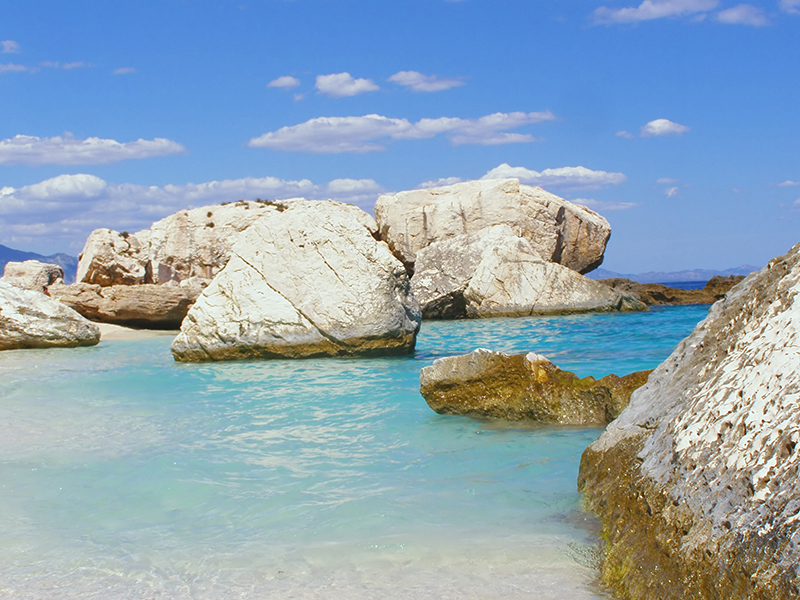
x: 32, y: 275
x: 696, y: 481
x: 523, y: 387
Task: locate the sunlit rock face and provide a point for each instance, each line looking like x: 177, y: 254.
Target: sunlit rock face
x: 696, y: 481
x: 523, y: 387
x: 494, y: 272
x: 558, y: 230
x: 29, y: 319
x: 308, y: 281
x: 32, y: 274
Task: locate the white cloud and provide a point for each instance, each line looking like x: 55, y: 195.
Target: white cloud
x: 68, y: 66
x: 9, y: 47
x: 338, y: 85
x: 13, y: 68
x: 61, y: 212
x: 625, y: 134
x: 788, y: 183
x: 431, y: 183
x: 285, y: 82
x: 743, y: 14
x: 671, y: 192
x: 124, y: 71
x: 653, y: 9
x: 334, y: 135
x: 561, y: 177
x: 661, y: 127
x: 600, y: 205
x: 67, y: 150
x: 790, y: 6
x: 667, y: 181
x: 423, y: 83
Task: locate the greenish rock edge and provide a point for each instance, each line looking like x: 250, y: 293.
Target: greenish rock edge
x: 695, y: 482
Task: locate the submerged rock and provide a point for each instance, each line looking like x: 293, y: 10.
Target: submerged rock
x: 559, y: 231
x: 32, y: 275
x: 145, y: 306
x: 524, y: 386
x: 696, y: 481
x: 30, y: 319
x: 657, y: 294
x: 494, y: 272
x: 308, y: 281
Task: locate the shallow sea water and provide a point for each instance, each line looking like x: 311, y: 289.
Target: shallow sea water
x: 126, y: 475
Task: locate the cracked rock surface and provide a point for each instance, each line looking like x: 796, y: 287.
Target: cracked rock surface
x: 307, y: 281
x: 558, y: 230
x: 29, y: 319
x: 696, y: 481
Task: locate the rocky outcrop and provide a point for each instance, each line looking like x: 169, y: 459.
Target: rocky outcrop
x: 656, y: 294
x: 187, y: 244
x: 308, y: 281
x: 523, y: 387
x: 494, y: 272
x: 30, y: 319
x: 696, y: 481
x: 32, y: 275
x: 147, y: 306
x: 558, y: 230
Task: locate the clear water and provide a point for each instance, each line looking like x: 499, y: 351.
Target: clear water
x: 126, y: 475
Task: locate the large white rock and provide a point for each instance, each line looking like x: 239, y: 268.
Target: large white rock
x: 32, y: 274
x: 189, y: 243
x: 558, y: 230
x: 308, y: 281
x: 30, y: 319
x: 696, y: 481
x: 494, y: 272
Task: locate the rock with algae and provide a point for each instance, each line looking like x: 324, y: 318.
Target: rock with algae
x: 696, y: 481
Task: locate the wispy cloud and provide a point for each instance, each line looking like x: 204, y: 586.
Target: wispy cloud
x: 653, y: 9
x: 604, y: 205
x: 338, y: 85
x: 625, y: 134
x: 788, y: 183
x: 561, y: 177
x: 9, y: 47
x: 124, y: 71
x: 285, y: 82
x: 60, y: 212
x: 431, y: 183
x: 743, y: 14
x: 418, y: 82
x: 790, y: 6
x: 68, y: 150
x: 667, y: 181
x: 49, y: 64
x: 334, y: 135
x: 671, y: 192
x: 14, y: 68
x: 662, y: 127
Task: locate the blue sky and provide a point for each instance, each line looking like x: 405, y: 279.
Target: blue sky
x: 677, y: 120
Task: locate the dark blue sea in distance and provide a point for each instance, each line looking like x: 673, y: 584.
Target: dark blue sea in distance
x: 126, y: 475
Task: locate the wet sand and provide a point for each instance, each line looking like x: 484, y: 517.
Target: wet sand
x: 117, y: 332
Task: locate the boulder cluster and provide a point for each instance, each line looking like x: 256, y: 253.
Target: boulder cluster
x: 298, y: 278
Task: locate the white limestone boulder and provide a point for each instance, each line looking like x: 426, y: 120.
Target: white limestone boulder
x: 558, y: 230
x: 308, y: 281
x: 494, y: 272
x: 32, y: 274
x: 189, y: 243
x: 29, y: 319
x: 696, y: 481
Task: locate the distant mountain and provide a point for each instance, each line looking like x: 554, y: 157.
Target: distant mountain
x: 65, y: 261
x: 673, y: 276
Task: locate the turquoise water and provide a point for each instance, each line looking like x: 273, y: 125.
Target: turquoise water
x: 126, y: 475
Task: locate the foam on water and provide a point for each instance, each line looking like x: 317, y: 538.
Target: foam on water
x: 126, y: 475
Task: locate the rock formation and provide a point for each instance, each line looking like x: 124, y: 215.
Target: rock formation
x: 147, y: 305
x: 494, y: 272
x: 308, y: 281
x: 524, y: 386
x: 656, y: 294
x: 558, y: 230
x: 32, y: 275
x: 189, y: 243
x: 30, y: 319
x: 696, y: 481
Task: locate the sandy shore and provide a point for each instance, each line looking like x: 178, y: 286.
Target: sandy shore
x: 117, y: 332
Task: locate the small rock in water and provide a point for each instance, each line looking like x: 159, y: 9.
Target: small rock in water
x: 485, y: 383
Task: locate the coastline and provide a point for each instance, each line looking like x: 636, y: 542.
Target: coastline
x: 118, y: 332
